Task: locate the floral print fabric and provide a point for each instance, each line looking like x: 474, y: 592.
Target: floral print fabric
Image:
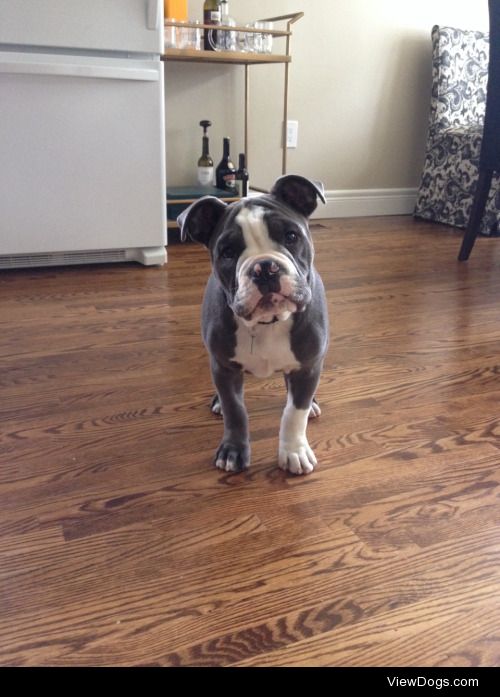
x: 460, y: 77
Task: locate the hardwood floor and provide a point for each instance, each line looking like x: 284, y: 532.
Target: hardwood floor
x: 120, y: 544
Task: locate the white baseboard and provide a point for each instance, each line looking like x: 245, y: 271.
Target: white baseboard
x: 366, y: 202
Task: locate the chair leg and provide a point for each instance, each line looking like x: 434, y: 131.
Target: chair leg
x: 476, y: 214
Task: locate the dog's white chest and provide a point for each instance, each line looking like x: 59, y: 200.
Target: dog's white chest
x: 265, y: 348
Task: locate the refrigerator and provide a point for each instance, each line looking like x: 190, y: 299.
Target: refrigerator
x: 82, y: 132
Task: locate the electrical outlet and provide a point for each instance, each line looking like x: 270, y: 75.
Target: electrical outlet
x: 292, y: 134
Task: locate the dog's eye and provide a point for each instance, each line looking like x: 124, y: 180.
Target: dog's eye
x: 228, y: 252
x: 291, y: 237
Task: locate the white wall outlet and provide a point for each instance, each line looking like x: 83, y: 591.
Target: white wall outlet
x: 292, y: 134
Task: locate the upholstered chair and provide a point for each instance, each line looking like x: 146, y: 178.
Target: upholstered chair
x: 450, y: 174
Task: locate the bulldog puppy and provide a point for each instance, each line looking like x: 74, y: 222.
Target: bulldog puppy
x: 264, y: 311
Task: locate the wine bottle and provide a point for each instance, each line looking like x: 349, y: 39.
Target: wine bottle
x: 226, y: 172
x: 242, y: 177
x: 211, y: 15
x: 205, y: 163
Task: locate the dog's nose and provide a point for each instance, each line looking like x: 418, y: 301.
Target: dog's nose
x: 266, y: 274
x: 264, y: 270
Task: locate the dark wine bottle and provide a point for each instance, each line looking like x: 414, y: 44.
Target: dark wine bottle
x: 211, y: 15
x: 226, y: 172
x: 242, y: 177
x: 205, y: 163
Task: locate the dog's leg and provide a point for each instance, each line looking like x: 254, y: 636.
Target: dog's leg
x: 233, y: 453
x: 295, y: 454
x: 314, y: 411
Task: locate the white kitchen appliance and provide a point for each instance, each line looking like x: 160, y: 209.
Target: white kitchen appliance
x: 82, y: 132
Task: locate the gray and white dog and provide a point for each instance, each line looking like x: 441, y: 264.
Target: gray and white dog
x: 264, y: 311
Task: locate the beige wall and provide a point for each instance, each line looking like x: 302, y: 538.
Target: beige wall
x: 359, y: 87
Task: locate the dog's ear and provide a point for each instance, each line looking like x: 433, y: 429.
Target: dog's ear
x: 298, y: 193
x: 200, y: 220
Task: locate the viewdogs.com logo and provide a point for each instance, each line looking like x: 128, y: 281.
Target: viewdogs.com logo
x: 437, y: 683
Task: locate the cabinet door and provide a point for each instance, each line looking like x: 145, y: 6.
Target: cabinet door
x: 103, y: 25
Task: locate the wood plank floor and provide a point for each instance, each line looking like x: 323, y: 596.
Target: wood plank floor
x: 120, y: 544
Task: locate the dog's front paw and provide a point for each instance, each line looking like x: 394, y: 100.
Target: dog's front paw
x: 232, y: 457
x: 296, y: 457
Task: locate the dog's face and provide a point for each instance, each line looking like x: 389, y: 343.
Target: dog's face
x: 262, y: 256
x: 261, y: 248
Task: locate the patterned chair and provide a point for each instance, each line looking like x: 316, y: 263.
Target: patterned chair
x: 460, y: 74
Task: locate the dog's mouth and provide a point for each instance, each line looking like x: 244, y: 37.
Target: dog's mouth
x: 271, y: 301
x: 271, y: 307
